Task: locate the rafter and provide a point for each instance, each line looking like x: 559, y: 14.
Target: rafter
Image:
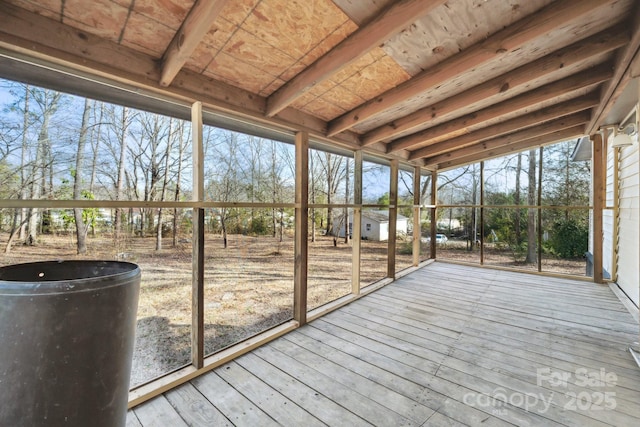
x: 621, y: 76
x: 570, y: 121
x: 193, y: 29
x: 506, y: 40
x: 396, y: 17
x: 521, y: 145
x: 582, y: 80
x: 569, y: 56
x: 559, y: 110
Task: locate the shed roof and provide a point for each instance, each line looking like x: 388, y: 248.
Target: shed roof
x: 434, y: 83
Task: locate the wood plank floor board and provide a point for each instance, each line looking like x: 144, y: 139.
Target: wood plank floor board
x: 194, y: 408
x: 439, y: 420
x: 457, y: 391
x: 529, y: 375
x: 373, y: 366
x: 447, y: 345
x: 542, y: 352
x: 396, y: 356
x: 525, y: 380
x: 525, y: 358
x: 520, y: 369
x: 466, y: 293
x: 388, y: 358
x: 359, y: 404
x: 233, y: 404
x: 368, y: 385
x: 589, y: 332
x: 132, y: 420
x: 440, y: 317
x: 498, y: 298
x: 618, y: 356
x: 614, y: 355
x: 495, y: 297
x: 279, y: 407
x: 618, y: 351
x: 323, y: 408
x: 158, y: 413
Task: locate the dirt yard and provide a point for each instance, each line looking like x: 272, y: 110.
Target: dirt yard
x: 248, y: 285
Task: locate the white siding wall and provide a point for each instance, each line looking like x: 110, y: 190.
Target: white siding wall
x: 607, y: 218
x: 629, y: 243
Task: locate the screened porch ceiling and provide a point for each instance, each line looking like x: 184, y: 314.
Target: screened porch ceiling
x: 433, y: 83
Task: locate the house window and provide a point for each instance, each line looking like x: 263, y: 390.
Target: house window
x: 368, y: 227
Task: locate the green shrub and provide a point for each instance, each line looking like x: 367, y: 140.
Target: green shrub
x: 570, y: 239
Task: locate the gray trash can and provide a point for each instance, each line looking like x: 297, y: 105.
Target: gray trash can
x: 67, y: 331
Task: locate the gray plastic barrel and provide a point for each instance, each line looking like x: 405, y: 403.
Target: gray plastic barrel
x: 67, y: 332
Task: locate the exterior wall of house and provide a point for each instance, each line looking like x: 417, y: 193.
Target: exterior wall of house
x: 371, y: 229
x: 629, y: 220
x: 608, y: 218
x: 374, y: 230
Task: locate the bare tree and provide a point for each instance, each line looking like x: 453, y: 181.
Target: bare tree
x: 48, y: 102
x: 81, y: 227
x: 120, y: 180
x: 531, y: 214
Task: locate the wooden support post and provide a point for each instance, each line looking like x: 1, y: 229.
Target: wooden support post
x: 539, y: 202
x: 434, y: 218
x: 301, y: 248
x: 197, y: 278
x: 356, y: 240
x: 416, y: 216
x: 481, y: 213
x: 393, y: 220
x: 599, y: 173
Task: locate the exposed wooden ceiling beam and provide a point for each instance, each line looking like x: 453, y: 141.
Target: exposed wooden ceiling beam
x: 509, y: 126
x: 569, y: 56
x: 193, y: 29
x: 542, y: 22
x: 621, y: 76
x: 529, y: 99
x: 573, y: 120
x: 396, y: 17
x: 503, y: 150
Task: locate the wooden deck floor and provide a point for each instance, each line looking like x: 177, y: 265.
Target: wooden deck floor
x: 446, y: 345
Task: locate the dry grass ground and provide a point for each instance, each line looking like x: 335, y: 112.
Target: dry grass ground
x: 248, y: 285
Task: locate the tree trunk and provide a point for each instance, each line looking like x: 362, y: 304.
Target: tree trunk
x: 81, y: 227
x: 346, y: 210
x: 117, y: 223
x: 37, y: 183
x: 516, y: 200
x: 163, y: 191
x: 178, y: 178
x: 23, y: 166
x: 531, y: 214
x: 313, y: 199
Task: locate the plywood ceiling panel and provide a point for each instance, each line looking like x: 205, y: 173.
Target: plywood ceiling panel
x: 213, y: 42
x: 442, y: 33
x: 377, y: 77
x: 295, y: 27
x: 225, y: 67
x: 237, y: 11
x: 137, y: 35
x: 170, y: 12
x: 103, y: 18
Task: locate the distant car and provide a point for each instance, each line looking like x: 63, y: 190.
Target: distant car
x: 440, y: 238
